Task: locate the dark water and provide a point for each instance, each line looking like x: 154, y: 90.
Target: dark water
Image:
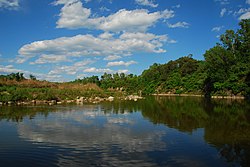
x: 157, y: 131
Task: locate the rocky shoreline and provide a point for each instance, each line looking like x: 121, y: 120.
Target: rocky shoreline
x: 193, y: 95
x: 78, y: 100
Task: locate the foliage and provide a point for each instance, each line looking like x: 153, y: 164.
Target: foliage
x: 225, y: 71
x: 228, y: 63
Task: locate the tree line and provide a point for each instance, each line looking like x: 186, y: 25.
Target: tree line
x: 225, y: 70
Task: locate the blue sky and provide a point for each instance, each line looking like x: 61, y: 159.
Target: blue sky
x: 61, y: 40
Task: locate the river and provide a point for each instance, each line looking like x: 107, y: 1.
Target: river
x: 156, y: 131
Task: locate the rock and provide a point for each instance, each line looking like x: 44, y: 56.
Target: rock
x: 59, y: 102
x: 133, y: 97
x: 10, y: 102
x: 110, y: 98
x: 53, y: 101
x: 80, y: 100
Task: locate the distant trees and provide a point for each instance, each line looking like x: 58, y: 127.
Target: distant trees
x: 85, y: 80
x: 32, y: 77
x: 14, y: 76
x: 123, y: 82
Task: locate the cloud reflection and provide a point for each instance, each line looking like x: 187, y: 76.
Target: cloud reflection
x: 95, y: 135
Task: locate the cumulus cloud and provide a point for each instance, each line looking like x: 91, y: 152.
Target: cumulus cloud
x: 73, y: 15
x: 104, y: 70
x: 73, y: 69
x: 245, y: 16
x: 179, y: 25
x: 146, y: 3
x: 9, y: 4
x: 112, y: 57
x: 217, y: 29
x: 106, y: 35
x: 10, y: 69
x: 89, y: 45
x: 43, y: 59
x: 121, y: 63
x: 248, y: 2
x: 123, y: 71
x: 98, y: 70
x: 222, y: 12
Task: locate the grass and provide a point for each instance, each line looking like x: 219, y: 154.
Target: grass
x: 27, y: 90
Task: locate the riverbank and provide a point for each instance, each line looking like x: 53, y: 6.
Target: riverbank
x: 194, y: 95
x: 78, y: 100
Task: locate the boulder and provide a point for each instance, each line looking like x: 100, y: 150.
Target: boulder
x: 110, y: 98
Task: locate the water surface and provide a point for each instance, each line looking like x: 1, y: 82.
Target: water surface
x: 157, y: 131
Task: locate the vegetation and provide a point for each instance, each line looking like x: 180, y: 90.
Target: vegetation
x: 224, y: 71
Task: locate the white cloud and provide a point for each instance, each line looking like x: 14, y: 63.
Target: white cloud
x: 142, y: 36
x: 104, y: 70
x: 121, y: 63
x: 43, y: 59
x: 176, y: 6
x: 146, y: 3
x: 88, y: 45
x: 112, y: 57
x: 20, y: 59
x: 241, y: 11
x: 72, y: 70
x: 62, y: 2
x: 248, y: 2
x: 217, y: 29
x: 123, y: 71
x: 222, y: 12
x: 80, y: 76
x: 104, y: 9
x: 9, y: 4
x: 179, y: 25
x: 106, y: 35
x: 10, y: 69
x: 245, y: 16
x: 223, y: 2
x: 98, y: 70
x: 73, y: 15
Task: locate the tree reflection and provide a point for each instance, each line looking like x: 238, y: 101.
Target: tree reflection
x: 226, y: 123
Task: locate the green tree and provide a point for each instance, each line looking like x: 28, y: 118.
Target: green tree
x: 32, y: 77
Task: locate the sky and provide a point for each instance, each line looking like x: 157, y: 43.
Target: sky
x: 62, y: 40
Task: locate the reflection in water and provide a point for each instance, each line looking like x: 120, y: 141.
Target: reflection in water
x: 92, y: 131
x: 157, y: 131
x: 226, y: 123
